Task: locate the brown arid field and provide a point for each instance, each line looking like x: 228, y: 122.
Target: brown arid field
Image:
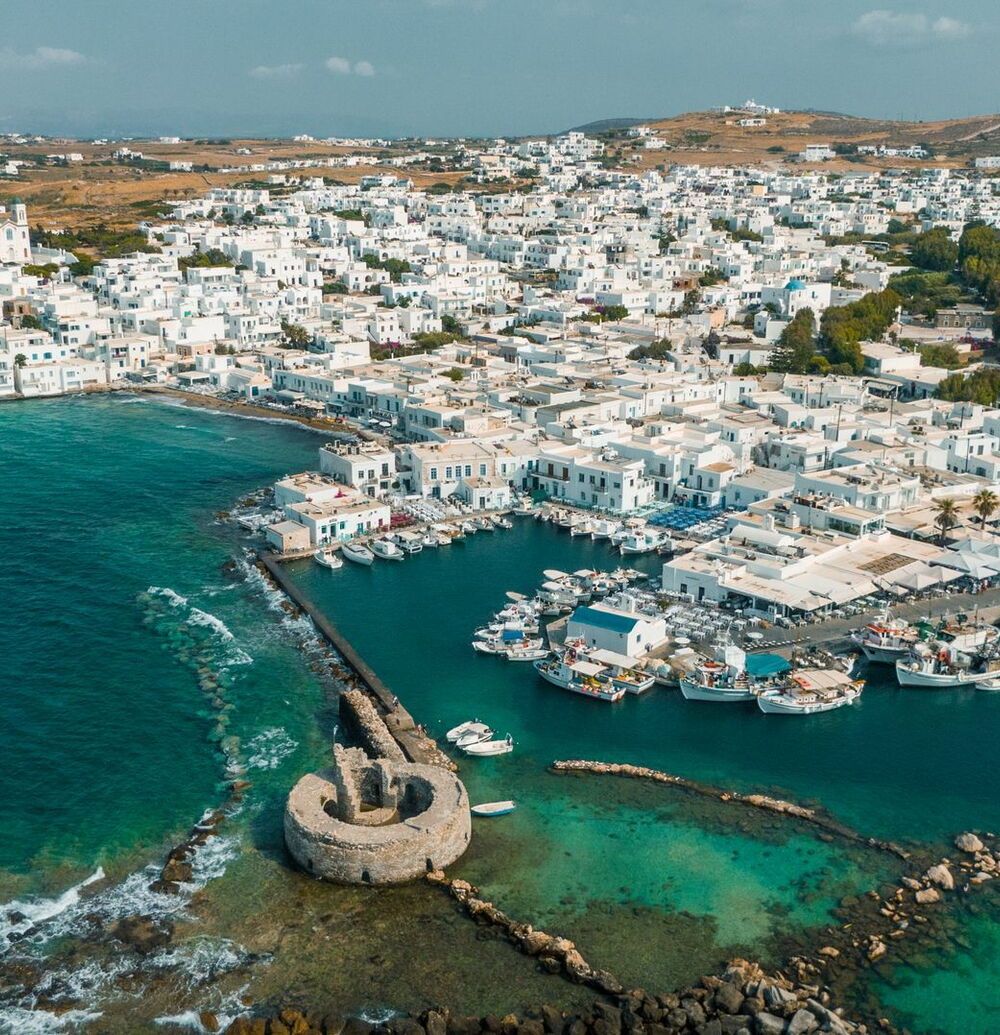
x: 98, y: 190
x: 714, y: 138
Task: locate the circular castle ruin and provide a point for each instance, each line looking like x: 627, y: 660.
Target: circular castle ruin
x: 376, y: 821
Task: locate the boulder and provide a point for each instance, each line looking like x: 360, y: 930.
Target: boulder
x: 209, y: 1021
x: 143, y: 933
x: 968, y: 843
x: 941, y: 876
x: 712, y: 1027
x: 176, y: 871
x: 802, y: 1023
x: 531, y: 1028
x: 927, y: 895
x: 434, y: 1023
x: 728, y: 998
x: 552, y: 1020
x: 768, y: 1024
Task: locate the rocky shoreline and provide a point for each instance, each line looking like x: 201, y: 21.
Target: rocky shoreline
x: 742, y: 1000
x: 759, y: 801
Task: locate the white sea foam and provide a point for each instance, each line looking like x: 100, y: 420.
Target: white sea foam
x: 269, y: 749
x: 17, y: 1019
x: 210, y: 621
x: 176, y: 600
x: 37, y: 911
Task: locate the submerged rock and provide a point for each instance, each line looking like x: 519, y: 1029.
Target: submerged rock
x: 941, y: 876
x: 144, y: 933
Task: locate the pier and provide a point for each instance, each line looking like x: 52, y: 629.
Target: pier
x: 415, y: 744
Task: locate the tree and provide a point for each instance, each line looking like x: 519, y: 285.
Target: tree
x: 843, y: 328
x: 31, y: 322
x: 745, y: 370
x: 450, y: 324
x: 794, y: 351
x: 296, y: 336
x: 615, y: 312
x: 940, y: 355
x: 934, y: 250
x: 985, y: 504
x: 981, y: 386
x: 655, y: 350
x: 996, y: 326
x: 454, y: 374
x: 335, y: 287
x: 45, y: 271
x: 947, y: 515
x: 20, y: 360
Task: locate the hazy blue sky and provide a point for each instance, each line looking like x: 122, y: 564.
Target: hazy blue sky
x: 479, y: 66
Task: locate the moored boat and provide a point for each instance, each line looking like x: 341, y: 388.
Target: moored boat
x: 581, y: 677
x: 461, y: 729
x: 387, y: 550
x: 357, y: 552
x: 810, y: 691
x: 486, y: 748
x: 328, y: 559
x: 490, y: 809
x: 723, y: 678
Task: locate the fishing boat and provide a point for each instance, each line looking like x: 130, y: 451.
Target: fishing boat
x: 429, y: 539
x: 409, y: 542
x: 486, y: 748
x: 809, y: 691
x: 526, y: 653
x: 490, y: 809
x: 357, y: 552
x: 328, y: 559
x: 581, y: 677
x: 469, y: 527
x: 476, y: 734
x: 604, y: 529
x: 485, y: 524
x: 462, y: 728
x: 488, y: 646
x: 387, y: 550
x: 502, y: 522
x: 941, y: 666
x: 524, y: 506
x: 886, y: 639
x: 639, y: 542
x: 623, y: 671
x: 722, y: 678
x: 993, y: 683
x: 579, y: 528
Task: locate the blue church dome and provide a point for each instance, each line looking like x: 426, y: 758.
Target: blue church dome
x: 795, y: 285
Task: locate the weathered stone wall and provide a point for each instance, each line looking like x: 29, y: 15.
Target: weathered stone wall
x: 358, y: 712
x: 392, y: 853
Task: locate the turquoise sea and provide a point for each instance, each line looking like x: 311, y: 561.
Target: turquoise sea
x: 139, y: 676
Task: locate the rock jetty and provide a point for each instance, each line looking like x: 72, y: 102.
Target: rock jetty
x: 742, y: 1000
x: 758, y: 801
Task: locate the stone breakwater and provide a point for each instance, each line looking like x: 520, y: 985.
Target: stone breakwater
x: 742, y: 1000
x: 759, y: 801
x: 556, y: 955
x: 354, y: 673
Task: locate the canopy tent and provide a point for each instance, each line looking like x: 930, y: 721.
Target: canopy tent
x: 974, y: 565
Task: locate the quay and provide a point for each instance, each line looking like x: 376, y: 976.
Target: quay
x: 415, y: 744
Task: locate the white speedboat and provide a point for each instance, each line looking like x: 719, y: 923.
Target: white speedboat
x: 526, y: 653
x: 502, y: 522
x: 492, y: 645
x: 486, y: 748
x: 469, y: 528
x: 387, y: 550
x: 809, y: 691
x: 357, y: 552
x: 328, y: 559
x: 475, y: 735
x: 461, y: 729
x: 490, y: 809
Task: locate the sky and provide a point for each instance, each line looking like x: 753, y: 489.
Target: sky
x: 478, y: 67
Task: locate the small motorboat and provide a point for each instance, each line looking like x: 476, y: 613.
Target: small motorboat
x: 486, y: 524
x: 486, y: 748
x: 429, y: 539
x: 328, y: 559
x: 476, y: 734
x: 502, y: 522
x: 469, y: 528
x: 387, y: 550
x: 493, y: 808
x: 357, y: 552
x: 530, y: 654
x: 989, y: 684
x: 461, y: 729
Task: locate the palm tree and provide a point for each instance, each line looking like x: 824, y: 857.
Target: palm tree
x: 985, y: 504
x: 947, y: 515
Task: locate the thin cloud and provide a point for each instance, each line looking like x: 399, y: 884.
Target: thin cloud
x: 40, y: 57
x: 342, y: 66
x: 288, y: 71
x: 882, y: 28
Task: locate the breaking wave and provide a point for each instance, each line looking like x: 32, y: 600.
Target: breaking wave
x: 269, y: 749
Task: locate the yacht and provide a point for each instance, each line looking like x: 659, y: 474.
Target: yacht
x: 357, y: 552
x: 723, y: 678
x: 387, y: 550
x: 808, y: 691
x: 328, y: 559
x: 582, y: 677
